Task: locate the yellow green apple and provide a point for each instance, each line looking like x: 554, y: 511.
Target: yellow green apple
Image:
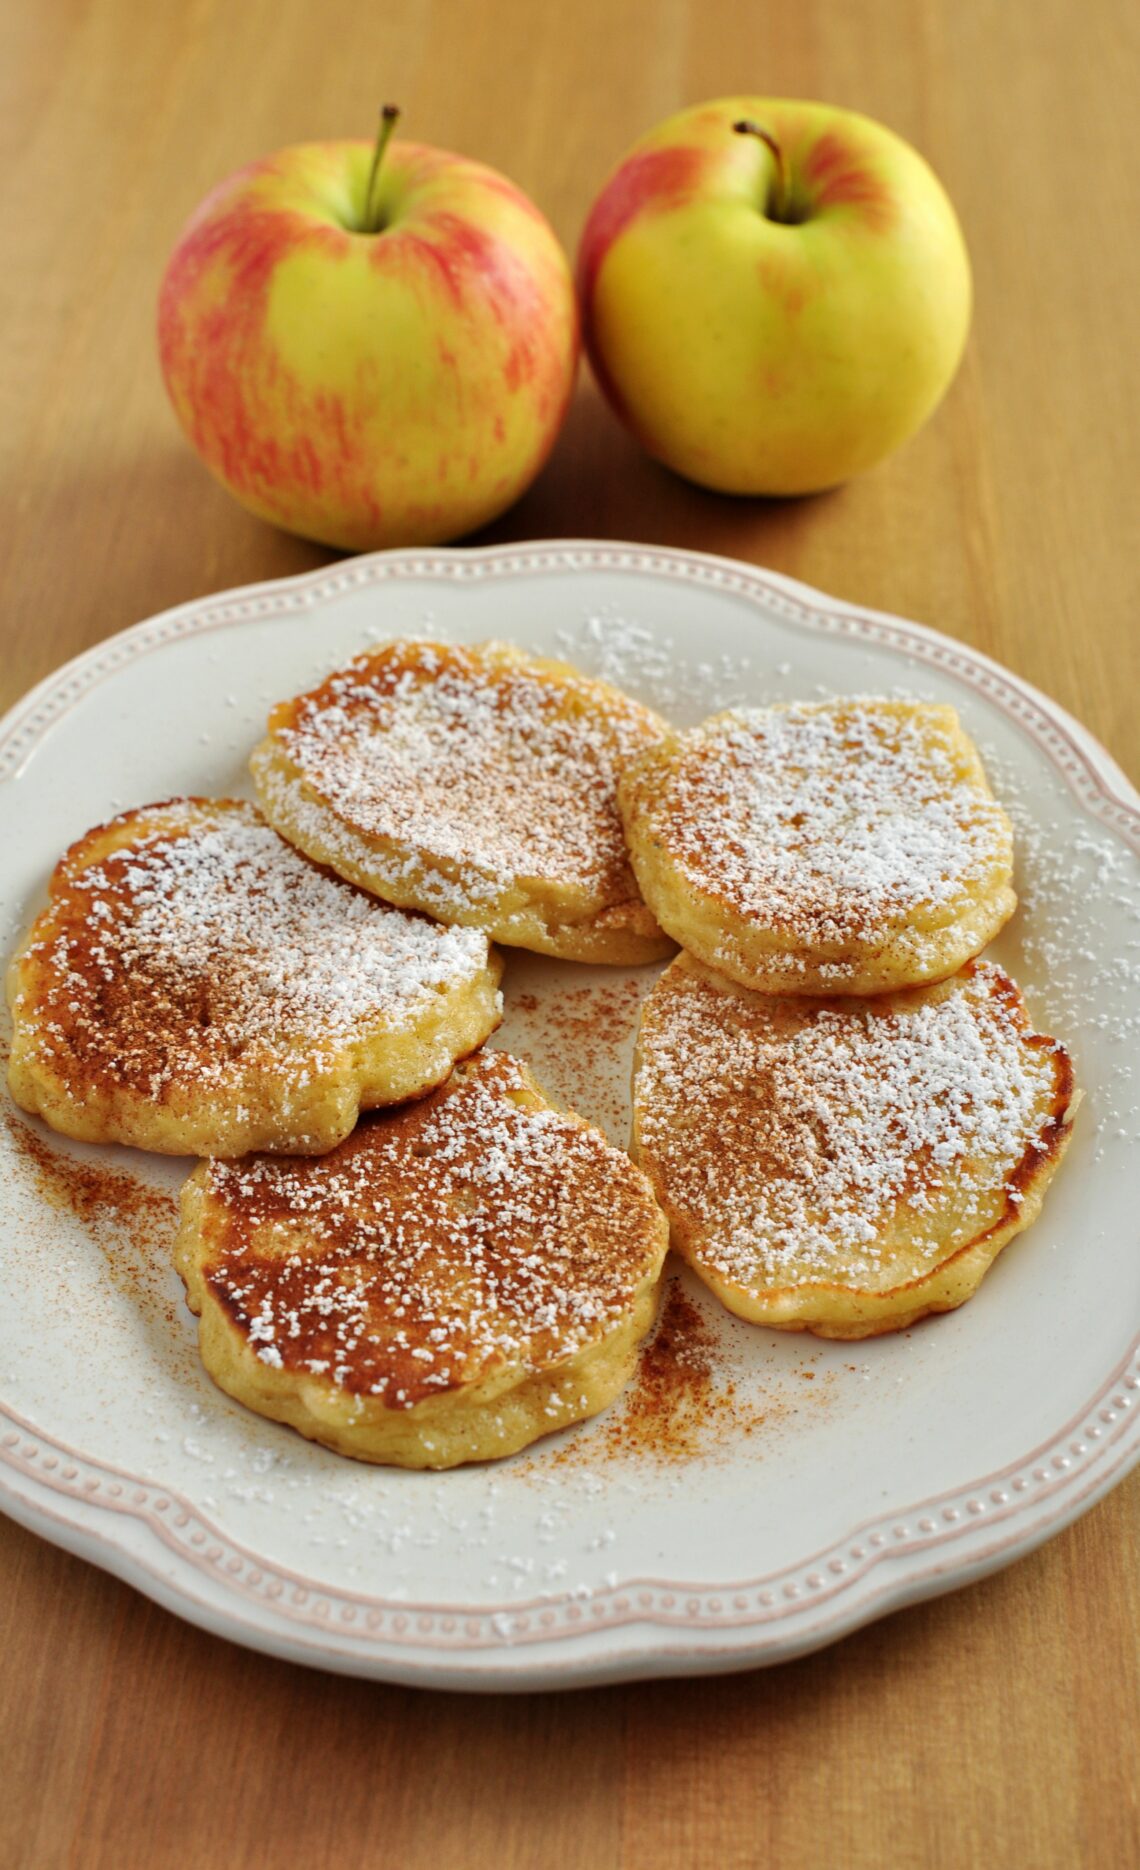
x: 370, y: 345
x: 775, y: 294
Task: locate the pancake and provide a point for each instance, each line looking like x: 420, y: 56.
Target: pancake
x: 458, y: 1278
x: 196, y: 987
x: 475, y: 784
x: 845, y: 847
x: 845, y: 1166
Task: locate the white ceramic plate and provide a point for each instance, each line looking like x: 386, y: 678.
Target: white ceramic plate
x: 811, y: 1486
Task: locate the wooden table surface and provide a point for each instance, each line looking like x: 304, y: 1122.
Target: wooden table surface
x: 997, y: 1726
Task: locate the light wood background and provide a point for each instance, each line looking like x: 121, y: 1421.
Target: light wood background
x: 998, y: 1726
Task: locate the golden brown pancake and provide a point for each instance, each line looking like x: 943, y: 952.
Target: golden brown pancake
x: 195, y: 986
x: 845, y: 847
x: 845, y: 1166
x: 475, y: 784
x: 456, y: 1279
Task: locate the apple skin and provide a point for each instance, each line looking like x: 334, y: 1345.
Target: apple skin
x: 369, y: 389
x: 759, y: 356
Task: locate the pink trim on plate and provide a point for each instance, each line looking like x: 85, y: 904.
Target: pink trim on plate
x: 1049, y: 1470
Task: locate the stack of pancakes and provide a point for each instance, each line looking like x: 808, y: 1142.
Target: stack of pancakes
x: 394, y: 1242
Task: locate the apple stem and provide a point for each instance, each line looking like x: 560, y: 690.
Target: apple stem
x: 778, y: 202
x: 389, y: 117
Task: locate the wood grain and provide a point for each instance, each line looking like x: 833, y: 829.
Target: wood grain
x: 996, y: 1726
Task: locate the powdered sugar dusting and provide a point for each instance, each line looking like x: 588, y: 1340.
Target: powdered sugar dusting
x: 479, y: 759
x: 794, y: 1136
x: 831, y: 823
x: 318, y: 828
x: 1072, y: 887
x: 478, y: 1229
x: 205, y: 947
x: 648, y: 662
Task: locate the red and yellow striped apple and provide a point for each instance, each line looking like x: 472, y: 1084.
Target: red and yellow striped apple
x: 775, y: 294
x: 370, y: 346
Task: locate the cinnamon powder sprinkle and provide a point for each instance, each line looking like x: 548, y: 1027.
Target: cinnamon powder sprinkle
x: 675, y: 1399
x: 596, y: 1018
x: 475, y: 1229
x: 572, y: 1036
x: 498, y: 763
x: 187, y: 947
x: 677, y: 1408
x: 832, y: 821
x: 131, y: 1221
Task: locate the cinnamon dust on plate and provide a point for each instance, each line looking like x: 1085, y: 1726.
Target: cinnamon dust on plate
x: 132, y: 1221
x: 678, y: 1401
x: 572, y: 1036
x: 682, y: 1404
